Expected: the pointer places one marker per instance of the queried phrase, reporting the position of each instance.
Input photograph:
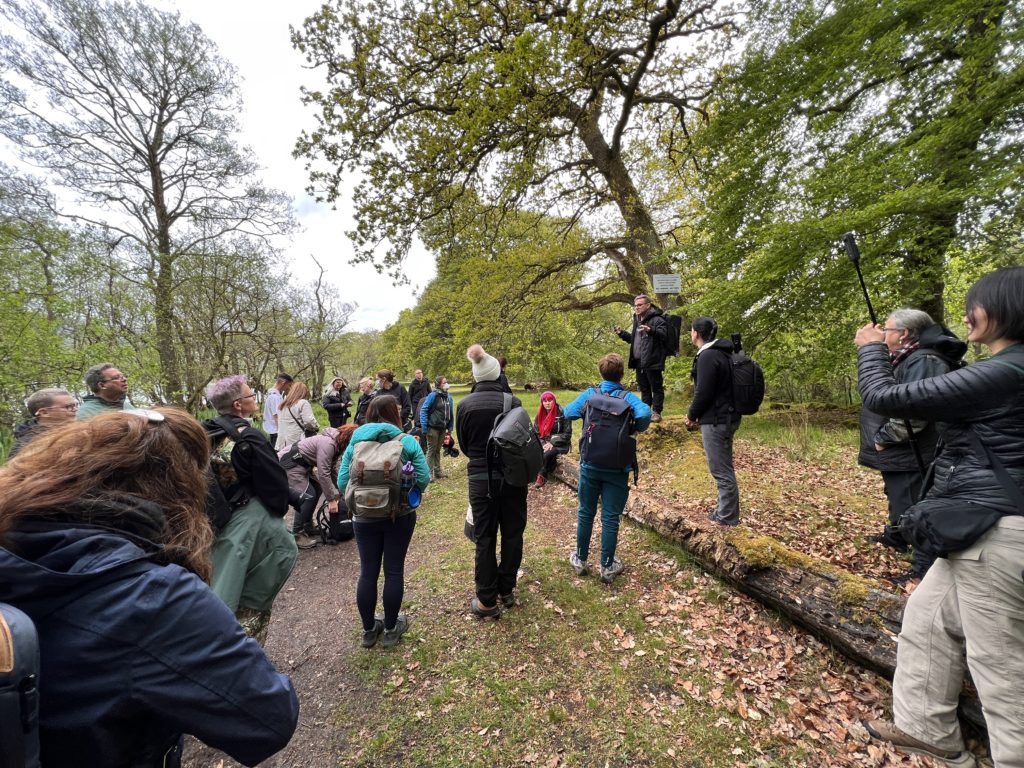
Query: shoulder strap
(298, 421)
(224, 422)
(506, 400)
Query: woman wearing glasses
(107, 550)
(970, 604)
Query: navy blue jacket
(135, 653)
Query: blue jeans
(611, 486)
(382, 542)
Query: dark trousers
(305, 506)
(382, 543)
(550, 459)
(652, 387)
(902, 490)
(504, 512)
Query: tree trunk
(848, 612)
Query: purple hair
(223, 393)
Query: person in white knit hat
(497, 507)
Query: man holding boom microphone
(647, 351)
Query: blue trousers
(611, 486)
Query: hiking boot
(885, 731)
(887, 540)
(655, 417)
(540, 481)
(609, 572)
(579, 566)
(508, 601)
(305, 541)
(393, 635)
(481, 612)
(370, 635)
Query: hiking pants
(435, 436)
(303, 520)
(718, 450)
(652, 387)
(902, 490)
(382, 542)
(611, 486)
(505, 511)
(974, 601)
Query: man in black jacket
(919, 349)
(647, 352)
(712, 408)
(496, 506)
(419, 388)
(389, 386)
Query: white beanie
(485, 367)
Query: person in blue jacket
(104, 543)
(611, 486)
(436, 418)
(383, 540)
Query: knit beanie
(485, 367)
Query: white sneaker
(579, 566)
(609, 573)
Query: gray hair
(44, 399)
(913, 321)
(223, 393)
(94, 375)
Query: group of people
(141, 584)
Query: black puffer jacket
(940, 351)
(987, 397)
(647, 350)
(561, 433)
(711, 373)
(337, 403)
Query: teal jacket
(93, 406)
(382, 432)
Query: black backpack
(747, 380)
(19, 689)
(513, 446)
(221, 499)
(673, 333)
(608, 440)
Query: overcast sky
(254, 37)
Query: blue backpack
(609, 434)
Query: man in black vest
(647, 352)
(495, 505)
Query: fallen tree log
(851, 613)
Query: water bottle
(410, 492)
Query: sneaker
(393, 635)
(540, 481)
(305, 541)
(508, 601)
(885, 731)
(608, 573)
(655, 417)
(370, 635)
(579, 566)
(484, 613)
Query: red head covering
(546, 418)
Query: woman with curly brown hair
(104, 543)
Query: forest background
(551, 157)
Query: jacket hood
(46, 560)
(722, 345)
(943, 341)
(379, 431)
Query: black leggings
(382, 542)
(305, 506)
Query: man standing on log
(647, 351)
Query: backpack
(608, 440)
(19, 689)
(436, 416)
(673, 333)
(747, 380)
(374, 479)
(224, 493)
(513, 446)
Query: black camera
(448, 446)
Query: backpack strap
(506, 406)
(1009, 486)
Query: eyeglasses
(114, 378)
(886, 330)
(72, 407)
(245, 397)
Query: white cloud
(254, 37)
